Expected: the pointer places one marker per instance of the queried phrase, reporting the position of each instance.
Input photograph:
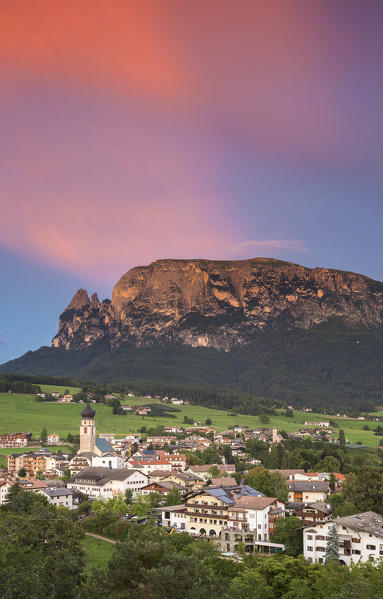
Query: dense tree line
(330, 367)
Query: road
(91, 534)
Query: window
(356, 551)
(309, 537)
(310, 549)
(355, 540)
(371, 547)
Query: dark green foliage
(289, 532)
(40, 549)
(150, 565)
(322, 367)
(271, 484)
(332, 549)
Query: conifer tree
(332, 548)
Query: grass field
(97, 553)
(22, 413)
(58, 389)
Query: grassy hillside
(20, 412)
(329, 366)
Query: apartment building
(106, 483)
(360, 538)
(15, 439)
(310, 491)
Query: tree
(332, 548)
(128, 496)
(264, 419)
(341, 437)
(208, 422)
(114, 505)
(289, 532)
(173, 497)
(41, 553)
(329, 464)
(150, 446)
(22, 473)
(364, 489)
(155, 499)
(43, 436)
(214, 471)
(271, 484)
(141, 505)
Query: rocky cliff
(219, 304)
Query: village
(210, 500)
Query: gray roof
(99, 476)
(230, 495)
(320, 486)
(57, 492)
(366, 522)
(103, 445)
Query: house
(203, 473)
(55, 395)
(307, 491)
(177, 402)
(320, 423)
(106, 483)
(147, 466)
(59, 497)
(313, 513)
(222, 481)
(231, 514)
(163, 488)
(67, 398)
(53, 439)
(15, 439)
(110, 437)
(5, 485)
(360, 538)
(108, 460)
(173, 429)
(185, 479)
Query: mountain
(267, 327)
(206, 303)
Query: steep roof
(230, 495)
(365, 522)
(254, 503)
(99, 476)
(103, 445)
(319, 486)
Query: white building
(360, 538)
(5, 485)
(307, 491)
(105, 483)
(59, 497)
(53, 438)
(108, 460)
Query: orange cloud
(119, 43)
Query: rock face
(219, 304)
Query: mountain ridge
(218, 304)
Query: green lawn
(97, 553)
(22, 413)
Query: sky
(225, 129)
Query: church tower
(87, 430)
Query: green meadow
(20, 412)
(58, 389)
(97, 553)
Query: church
(93, 451)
